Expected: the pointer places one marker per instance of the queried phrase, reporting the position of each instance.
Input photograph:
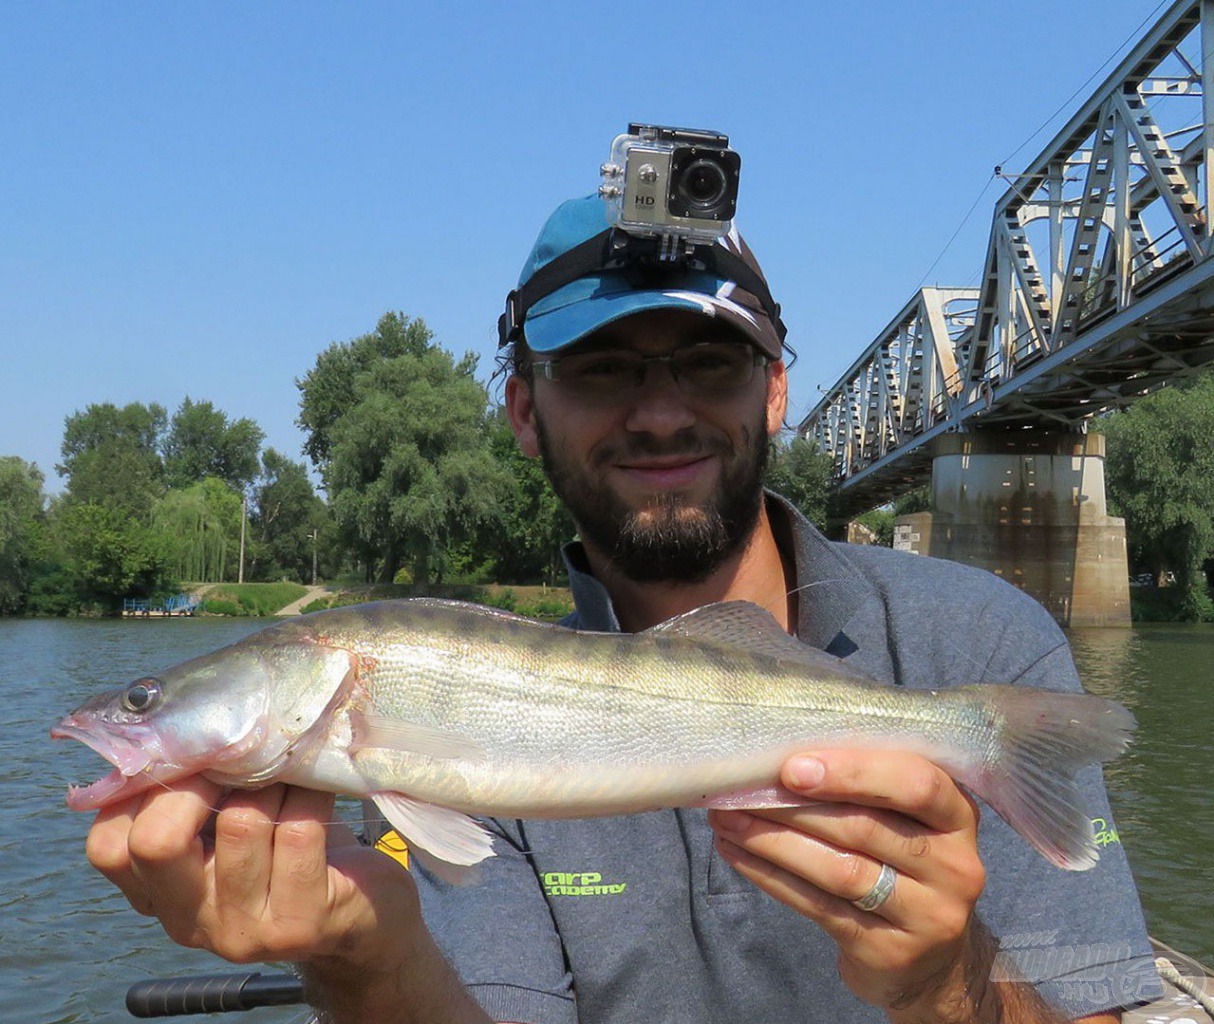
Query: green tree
(285, 513)
(111, 456)
(200, 527)
(398, 430)
(109, 556)
(330, 389)
(881, 520)
(202, 442)
(21, 523)
(526, 543)
(804, 474)
(1159, 471)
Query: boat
(1188, 996)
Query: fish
(442, 711)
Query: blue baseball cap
(575, 310)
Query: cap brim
(566, 325)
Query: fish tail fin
(1041, 740)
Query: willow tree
(201, 525)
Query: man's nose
(659, 406)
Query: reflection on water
(70, 945)
(1160, 788)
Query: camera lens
(703, 184)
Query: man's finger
(894, 780)
(300, 892)
(168, 856)
(827, 869)
(244, 845)
(835, 914)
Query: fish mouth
(133, 772)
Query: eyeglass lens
(708, 368)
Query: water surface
(70, 945)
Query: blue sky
(196, 198)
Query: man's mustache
(691, 444)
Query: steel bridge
(1097, 288)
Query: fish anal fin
(756, 798)
(447, 842)
(381, 732)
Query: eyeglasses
(705, 370)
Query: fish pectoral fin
(755, 799)
(385, 733)
(447, 842)
(741, 625)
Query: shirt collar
(831, 588)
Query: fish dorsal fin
(744, 626)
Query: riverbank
(241, 600)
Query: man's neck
(757, 573)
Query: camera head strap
(649, 263)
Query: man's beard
(670, 538)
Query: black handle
(215, 993)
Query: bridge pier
(1028, 506)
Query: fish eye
(141, 695)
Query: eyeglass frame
(549, 368)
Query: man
(651, 400)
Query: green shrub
(503, 599)
(219, 606)
(550, 609)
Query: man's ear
(777, 396)
(521, 411)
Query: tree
(329, 390)
(21, 514)
(286, 510)
(202, 442)
(1159, 471)
(398, 429)
(111, 456)
(534, 523)
(804, 474)
(109, 555)
(200, 527)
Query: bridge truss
(1097, 288)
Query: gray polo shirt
(636, 919)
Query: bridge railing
(1107, 215)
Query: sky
(198, 198)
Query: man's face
(662, 479)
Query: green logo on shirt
(1104, 831)
(580, 883)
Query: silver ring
(880, 891)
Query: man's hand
(275, 880)
(913, 955)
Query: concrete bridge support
(1028, 506)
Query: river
(70, 945)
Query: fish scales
(585, 714)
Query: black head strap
(618, 251)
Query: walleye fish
(438, 710)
